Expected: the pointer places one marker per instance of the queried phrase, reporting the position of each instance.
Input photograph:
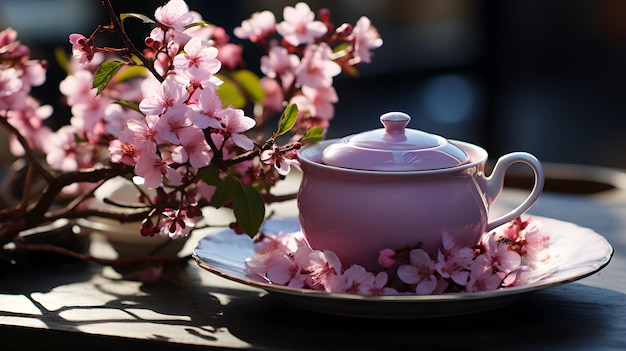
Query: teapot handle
(495, 183)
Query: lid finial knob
(395, 122)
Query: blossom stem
(249, 155)
(119, 29)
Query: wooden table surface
(75, 305)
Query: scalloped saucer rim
(578, 252)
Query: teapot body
(357, 213)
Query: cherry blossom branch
(39, 212)
(30, 155)
(62, 180)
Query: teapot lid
(394, 148)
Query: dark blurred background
(548, 77)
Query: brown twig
(121, 32)
(28, 152)
(39, 212)
(270, 198)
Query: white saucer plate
(576, 252)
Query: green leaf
(250, 83)
(341, 47)
(105, 73)
(249, 208)
(210, 175)
(225, 188)
(129, 104)
(143, 18)
(230, 94)
(131, 72)
(224, 192)
(314, 134)
(288, 120)
(198, 24)
(61, 58)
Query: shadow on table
(568, 317)
(202, 313)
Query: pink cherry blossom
(274, 96)
(25, 114)
(259, 26)
(236, 123)
(153, 169)
(420, 272)
(77, 87)
(34, 72)
(380, 288)
(116, 118)
(204, 112)
(513, 229)
(198, 59)
(317, 67)
(145, 134)
(283, 270)
(10, 82)
(170, 126)
(174, 14)
(453, 261)
(230, 55)
(535, 241)
(321, 99)
(196, 83)
(8, 41)
(176, 224)
(283, 241)
(60, 149)
(323, 268)
(366, 38)
(299, 26)
(123, 150)
(356, 280)
(90, 112)
(501, 257)
(82, 48)
(482, 277)
(280, 65)
(193, 148)
(282, 164)
(257, 264)
(163, 98)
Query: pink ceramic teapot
(394, 186)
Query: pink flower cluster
(18, 74)
(503, 259)
(300, 63)
(161, 112)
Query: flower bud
(146, 228)
(324, 15)
(387, 258)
